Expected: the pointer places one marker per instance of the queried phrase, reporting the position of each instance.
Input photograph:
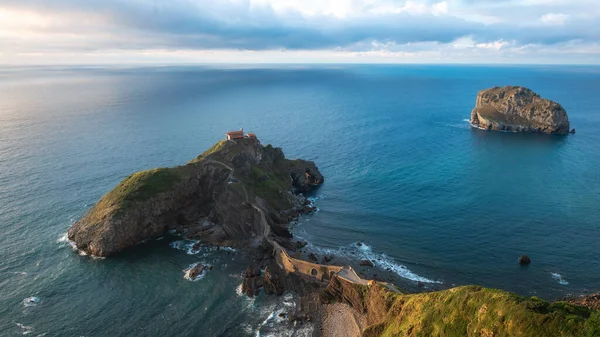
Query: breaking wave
(558, 277)
(381, 260)
(276, 323)
(31, 301)
(193, 247)
(198, 277)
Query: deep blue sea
(432, 199)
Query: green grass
(270, 186)
(477, 311)
(140, 186)
(214, 149)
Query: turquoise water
(432, 199)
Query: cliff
(518, 109)
(461, 311)
(235, 193)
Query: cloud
(555, 19)
(71, 26)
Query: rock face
(236, 193)
(193, 272)
(590, 301)
(518, 109)
(366, 263)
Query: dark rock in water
(518, 109)
(196, 246)
(252, 281)
(327, 259)
(366, 263)
(196, 270)
(308, 209)
(359, 244)
(224, 187)
(313, 257)
(301, 244)
(573, 131)
(524, 260)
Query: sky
(299, 31)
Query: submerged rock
(518, 109)
(235, 192)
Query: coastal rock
(366, 263)
(524, 260)
(235, 193)
(301, 244)
(589, 301)
(518, 109)
(274, 281)
(195, 271)
(252, 281)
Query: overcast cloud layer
(482, 31)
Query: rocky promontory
(236, 193)
(241, 193)
(518, 109)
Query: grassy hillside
(139, 186)
(476, 311)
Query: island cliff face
(518, 109)
(236, 192)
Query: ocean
(430, 199)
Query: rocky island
(236, 193)
(518, 109)
(243, 194)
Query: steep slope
(518, 109)
(462, 311)
(235, 192)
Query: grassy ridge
(139, 186)
(477, 311)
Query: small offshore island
(518, 109)
(242, 194)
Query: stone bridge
(320, 272)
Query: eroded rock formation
(235, 193)
(518, 109)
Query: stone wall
(311, 270)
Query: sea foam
(31, 301)
(558, 277)
(198, 277)
(381, 260)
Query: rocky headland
(235, 194)
(243, 194)
(518, 109)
